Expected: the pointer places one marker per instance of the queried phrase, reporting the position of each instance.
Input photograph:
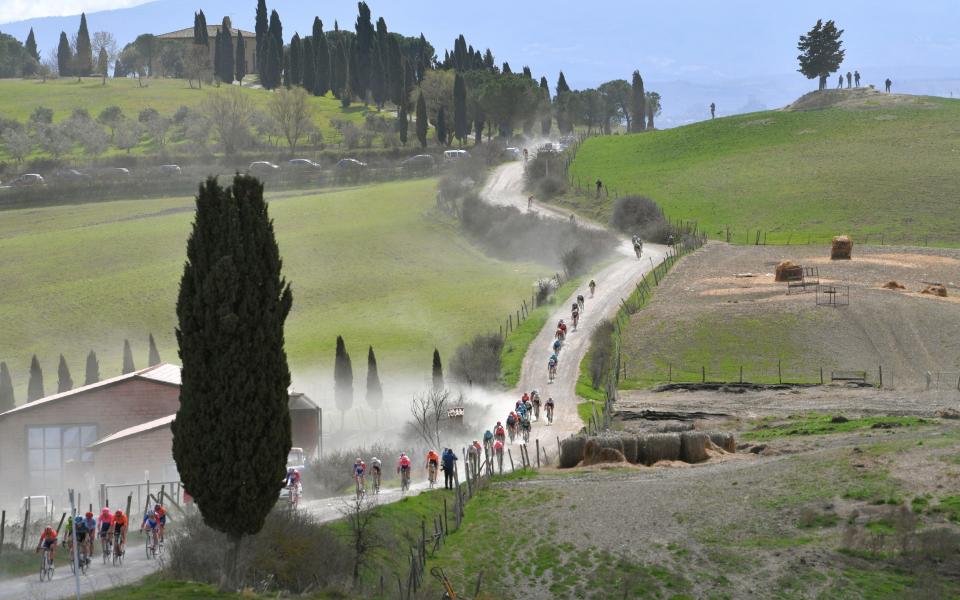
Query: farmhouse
(114, 432)
(183, 40)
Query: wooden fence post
(26, 522)
(510, 456)
(538, 453)
(3, 527)
(881, 374)
(780, 371)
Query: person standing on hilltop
(888, 84)
(713, 110)
(840, 83)
(856, 78)
(849, 80)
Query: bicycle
(46, 566)
(361, 487)
(526, 435)
(81, 559)
(376, 482)
(107, 546)
(118, 549)
(432, 475)
(151, 543)
(404, 479)
(550, 415)
(293, 495)
(552, 372)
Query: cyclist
(403, 469)
(536, 406)
(359, 469)
(580, 301)
(499, 433)
(487, 438)
(78, 528)
(90, 524)
(48, 540)
(525, 427)
(376, 469)
(106, 521)
(293, 484)
(525, 397)
(473, 454)
(557, 344)
(521, 411)
(161, 518)
(549, 407)
(552, 367)
(593, 287)
(498, 452)
(563, 327)
(119, 531)
(433, 463)
(528, 409)
(151, 523)
(575, 314)
(529, 203)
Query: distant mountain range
(689, 56)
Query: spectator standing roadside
(849, 80)
(840, 83)
(449, 460)
(856, 78)
(888, 84)
(600, 184)
(713, 110)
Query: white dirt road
(614, 282)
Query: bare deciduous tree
(229, 111)
(429, 411)
(105, 49)
(360, 515)
(293, 114)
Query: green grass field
(19, 97)
(887, 166)
(376, 264)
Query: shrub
(333, 473)
(478, 361)
(601, 353)
(641, 216)
(551, 186)
(292, 552)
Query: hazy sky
(16, 10)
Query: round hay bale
(723, 440)
(629, 447)
(841, 248)
(655, 447)
(571, 451)
(674, 426)
(935, 290)
(597, 454)
(693, 446)
(787, 271)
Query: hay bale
(571, 451)
(841, 248)
(893, 285)
(787, 271)
(603, 449)
(935, 290)
(655, 447)
(724, 440)
(693, 446)
(674, 426)
(629, 448)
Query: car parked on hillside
(262, 167)
(419, 163)
(171, 170)
(303, 164)
(70, 176)
(114, 173)
(348, 164)
(28, 180)
(454, 155)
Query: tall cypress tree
(260, 28)
(506, 69)
(153, 355)
(561, 99)
(240, 63)
(374, 389)
(84, 58)
(546, 121)
(273, 53)
(309, 66)
(286, 69)
(527, 73)
(218, 55)
(342, 379)
(231, 312)
(422, 122)
(296, 60)
(363, 51)
(442, 126)
(461, 129)
(395, 70)
(402, 123)
(64, 381)
(128, 366)
(437, 371)
(321, 53)
(638, 106)
(92, 374)
(226, 51)
(31, 46)
(35, 385)
(201, 36)
(488, 61)
(7, 400)
(64, 56)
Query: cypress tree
(269, 65)
(506, 69)
(230, 313)
(286, 69)
(227, 61)
(64, 56)
(402, 123)
(200, 35)
(7, 400)
(322, 59)
(461, 129)
(309, 66)
(527, 72)
(84, 58)
(35, 385)
(422, 121)
(442, 126)
(276, 28)
(153, 356)
(355, 83)
(488, 61)
(562, 84)
(437, 371)
(103, 63)
(380, 65)
(546, 121)
(260, 28)
(638, 108)
(240, 63)
(342, 379)
(218, 55)
(396, 73)
(296, 60)
(564, 123)
(363, 51)
(128, 366)
(31, 46)
(64, 381)
(374, 389)
(93, 369)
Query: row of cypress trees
(70, 62)
(35, 385)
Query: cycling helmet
(157, 506)
(78, 520)
(498, 422)
(402, 454)
(105, 511)
(119, 513)
(359, 460)
(89, 515)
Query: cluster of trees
(36, 388)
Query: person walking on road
(449, 460)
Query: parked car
(28, 180)
(115, 173)
(453, 155)
(172, 170)
(303, 164)
(262, 167)
(71, 176)
(351, 163)
(513, 153)
(419, 163)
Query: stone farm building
(114, 432)
(184, 39)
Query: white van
(452, 155)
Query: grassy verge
(14, 563)
(818, 424)
(518, 341)
(376, 264)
